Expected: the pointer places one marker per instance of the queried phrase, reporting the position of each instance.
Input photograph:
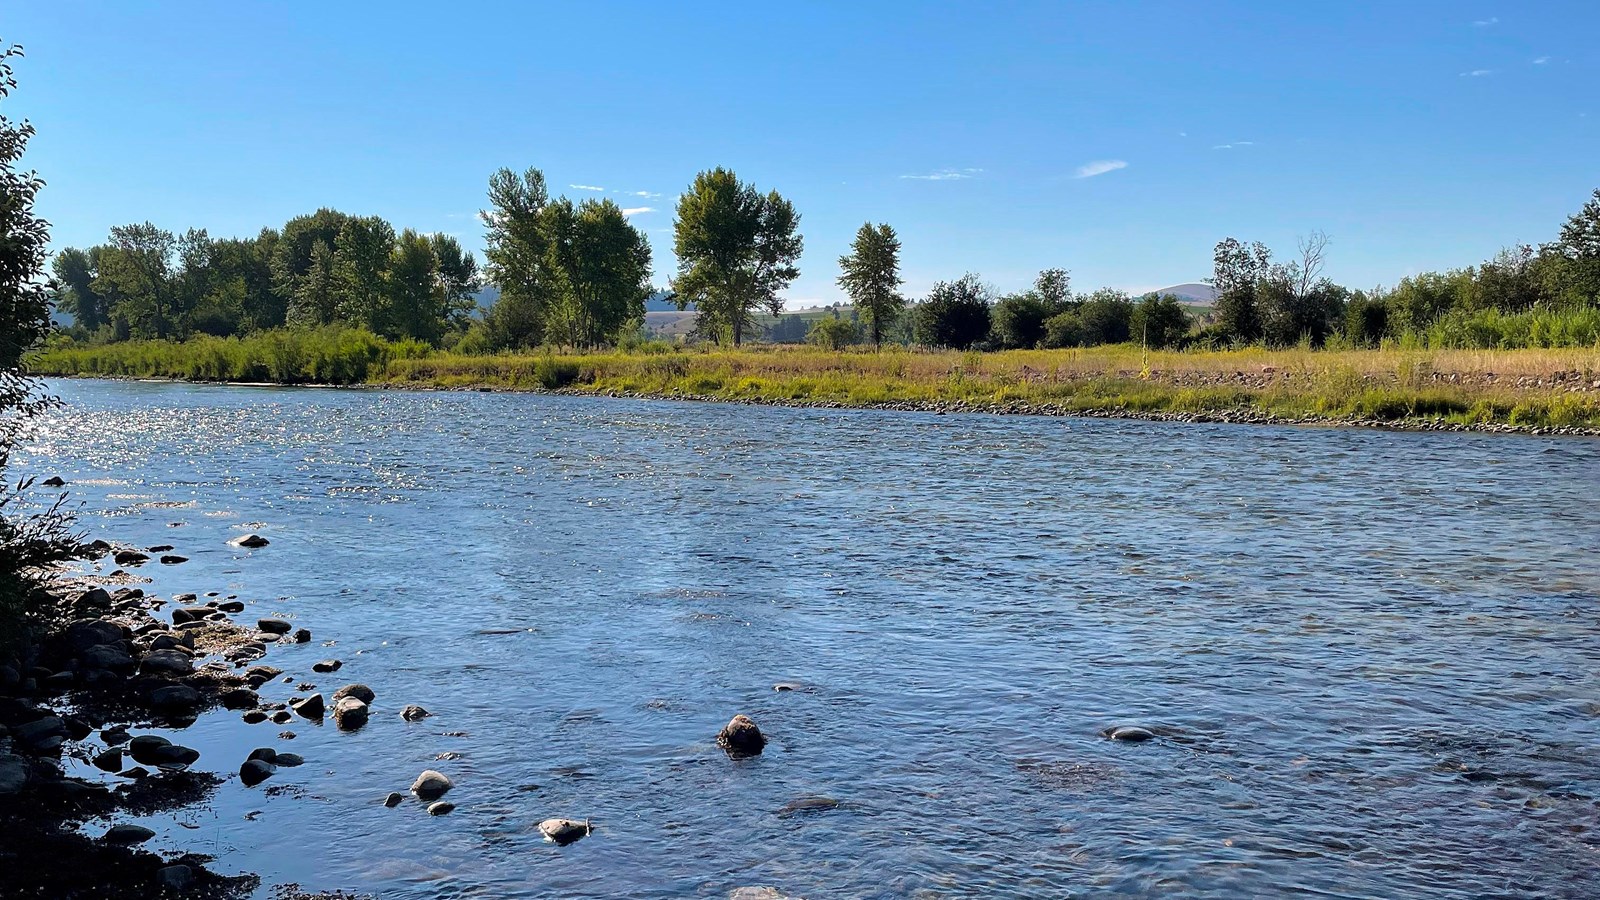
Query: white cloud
(1484, 23)
(586, 187)
(648, 195)
(945, 175)
(1244, 143)
(638, 210)
(1541, 60)
(1183, 134)
(1100, 167)
(1476, 73)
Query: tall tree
(315, 291)
(871, 278)
(137, 268)
(75, 273)
(415, 307)
(458, 280)
(599, 271)
(515, 251)
(737, 249)
(1237, 269)
(362, 252)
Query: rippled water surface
(1371, 656)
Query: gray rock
(175, 698)
(184, 615)
(283, 717)
(289, 760)
(394, 799)
(250, 541)
(172, 560)
(274, 626)
(240, 698)
(431, 785)
(80, 636)
(327, 665)
(440, 808)
(311, 707)
(255, 716)
(359, 691)
(414, 713)
(128, 834)
(46, 732)
(350, 713)
(231, 606)
(565, 831)
(254, 771)
(175, 878)
(109, 657)
(14, 774)
(142, 746)
(265, 754)
(109, 760)
(172, 662)
(740, 737)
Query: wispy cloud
(945, 175)
(1183, 134)
(1100, 167)
(1485, 23)
(586, 187)
(1234, 144)
(1541, 60)
(648, 195)
(638, 210)
(1476, 73)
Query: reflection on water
(1370, 657)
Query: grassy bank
(1553, 388)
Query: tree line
(578, 273)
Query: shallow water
(1372, 656)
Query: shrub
(956, 314)
(831, 333)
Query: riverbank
(1546, 391)
(86, 710)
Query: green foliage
(1019, 320)
(1105, 317)
(1159, 322)
(737, 249)
(834, 333)
(955, 315)
(871, 277)
(331, 355)
(599, 268)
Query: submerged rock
(274, 626)
(740, 737)
(109, 760)
(231, 606)
(265, 754)
(240, 698)
(130, 558)
(302, 636)
(172, 560)
(1132, 733)
(394, 799)
(326, 666)
(431, 785)
(414, 713)
(289, 760)
(250, 541)
(53, 481)
(440, 808)
(565, 831)
(175, 878)
(255, 716)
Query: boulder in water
(350, 713)
(309, 707)
(414, 713)
(326, 666)
(250, 541)
(1131, 733)
(440, 808)
(359, 691)
(274, 626)
(565, 831)
(431, 785)
(394, 799)
(128, 834)
(740, 737)
(254, 771)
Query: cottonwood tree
(137, 268)
(359, 272)
(1237, 269)
(956, 314)
(871, 278)
(516, 254)
(599, 268)
(737, 249)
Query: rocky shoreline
(84, 694)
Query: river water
(1371, 656)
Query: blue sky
(1418, 135)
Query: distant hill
(1191, 292)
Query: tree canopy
(737, 249)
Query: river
(1373, 658)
